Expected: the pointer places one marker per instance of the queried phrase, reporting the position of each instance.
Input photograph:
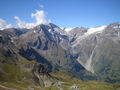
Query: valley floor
(63, 82)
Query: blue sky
(64, 13)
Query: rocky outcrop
(42, 75)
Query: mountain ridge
(73, 51)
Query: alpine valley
(48, 57)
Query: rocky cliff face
(41, 75)
(80, 52)
(99, 52)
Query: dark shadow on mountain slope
(31, 54)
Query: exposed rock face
(41, 75)
(75, 51)
(45, 47)
(41, 69)
(99, 52)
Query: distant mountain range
(85, 53)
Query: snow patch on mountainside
(68, 29)
(94, 30)
(34, 31)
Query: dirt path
(4, 87)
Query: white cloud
(4, 25)
(22, 24)
(17, 18)
(41, 6)
(39, 16)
